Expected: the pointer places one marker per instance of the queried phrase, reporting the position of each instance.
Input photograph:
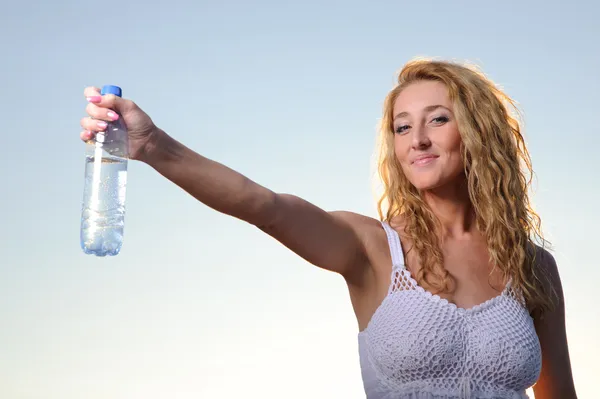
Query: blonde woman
(454, 294)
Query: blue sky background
(289, 93)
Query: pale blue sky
(289, 93)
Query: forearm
(210, 182)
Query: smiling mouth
(425, 160)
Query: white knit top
(420, 346)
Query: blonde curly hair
(498, 171)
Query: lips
(424, 159)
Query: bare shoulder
(371, 234)
(545, 261)
(547, 268)
(547, 272)
(361, 224)
(366, 228)
(353, 217)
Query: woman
(452, 295)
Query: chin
(436, 182)
(427, 187)
(423, 183)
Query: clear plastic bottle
(103, 210)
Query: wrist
(161, 148)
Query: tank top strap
(395, 246)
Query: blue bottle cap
(109, 89)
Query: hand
(101, 109)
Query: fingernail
(94, 99)
(113, 116)
(102, 124)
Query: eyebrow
(429, 108)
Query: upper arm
(556, 379)
(330, 240)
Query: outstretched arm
(330, 240)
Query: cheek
(401, 148)
(451, 141)
(401, 151)
(453, 149)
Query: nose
(420, 138)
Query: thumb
(111, 101)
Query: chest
(415, 336)
(473, 278)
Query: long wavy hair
(498, 171)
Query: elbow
(260, 209)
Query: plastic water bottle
(103, 211)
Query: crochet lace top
(418, 345)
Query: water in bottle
(103, 210)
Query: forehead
(416, 96)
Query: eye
(402, 129)
(440, 120)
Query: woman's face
(427, 142)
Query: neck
(452, 206)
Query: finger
(86, 135)
(93, 125)
(91, 91)
(111, 103)
(97, 111)
(94, 95)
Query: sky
(199, 304)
